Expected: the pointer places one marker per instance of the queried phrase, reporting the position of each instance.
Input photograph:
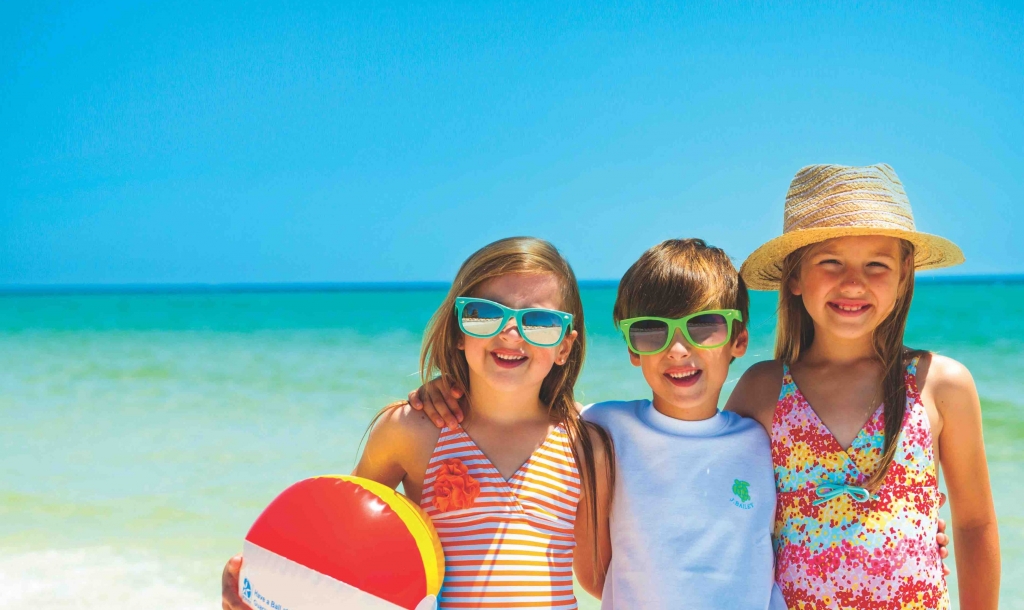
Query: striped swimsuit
(512, 546)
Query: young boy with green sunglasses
(694, 501)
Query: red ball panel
(339, 529)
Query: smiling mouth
(849, 309)
(508, 361)
(684, 379)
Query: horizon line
(412, 286)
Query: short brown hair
(679, 277)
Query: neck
(705, 410)
(839, 350)
(503, 407)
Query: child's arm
(398, 450)
(757, 393)
(951, 388)
(588, 533)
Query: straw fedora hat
(827, 201)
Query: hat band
(852, 219)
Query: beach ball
(341, 542)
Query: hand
(942, 539)
(229, 599)
(438, 402)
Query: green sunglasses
(482, 318)
(709, 329)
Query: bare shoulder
(757, 391)
(400, 423)
(946, 381)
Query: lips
(849, 308)
(508, 359)
(683, 378)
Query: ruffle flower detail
(454, 489)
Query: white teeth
(510, 357)
(851, 307)
(684, 375)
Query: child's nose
(511, 329)
(679, 346)
(853, 279)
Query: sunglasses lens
(708, 329)
(480, 319)
(542, 327)
(648, 335)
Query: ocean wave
(88, 578)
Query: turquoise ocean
(143, 433)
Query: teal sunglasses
(482, 319)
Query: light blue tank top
(692, 511)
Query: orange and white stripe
(513, 547)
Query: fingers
(439, 404)
(426, 404)
(451, 400)
(943, 540)
(437, 399)
(229, 599)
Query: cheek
(473, 347)
(816, 288)
(651, 366)
(886, 290)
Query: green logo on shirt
(741, 489)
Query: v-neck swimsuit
(837, 547)
(513, 546)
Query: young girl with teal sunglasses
(508, 490)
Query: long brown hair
(441, 357)
(796, 333)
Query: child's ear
(634, 359)
(794, 286)
(565, 348)
(740, 344)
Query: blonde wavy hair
(441, 357)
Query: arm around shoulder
(757, 393)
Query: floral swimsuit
(836, 545)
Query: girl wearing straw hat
(859, 423)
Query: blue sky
(350, 142)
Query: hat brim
(763, 268)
